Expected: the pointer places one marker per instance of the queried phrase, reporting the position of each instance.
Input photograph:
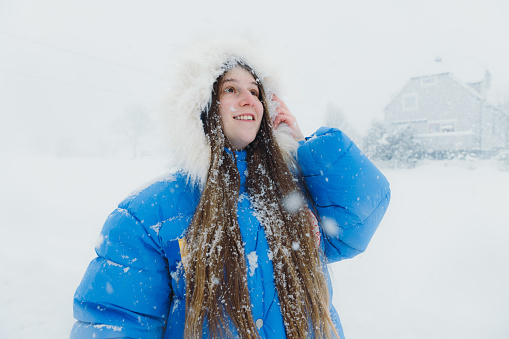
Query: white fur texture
(191, 93)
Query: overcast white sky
(67, 69)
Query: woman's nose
(246, 99)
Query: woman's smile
(244, 117)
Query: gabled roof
(467, 71)
(464, 72)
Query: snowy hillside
(437, 267)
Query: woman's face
(241, 110)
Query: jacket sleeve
(126, 290)
(350, 194)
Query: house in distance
(449, 110)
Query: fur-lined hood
(191, 93)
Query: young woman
(235, 244)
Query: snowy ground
(437, 268)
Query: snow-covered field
(437, 268)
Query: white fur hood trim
(191, 93)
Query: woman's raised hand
(283, 115)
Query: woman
(230, 245)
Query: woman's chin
(241, 143)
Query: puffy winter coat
(135, 288)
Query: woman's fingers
(284, 116)
(281, 102)
(277, 121)
(287, 119)
(282, 108)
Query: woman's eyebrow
(235, 80)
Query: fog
(75, 76)
(69, 70)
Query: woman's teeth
(244, 117)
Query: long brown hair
(216, 288)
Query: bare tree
(132, 126)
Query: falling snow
(293, 202)
(420, 257)
(330, 227)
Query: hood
(191, 92)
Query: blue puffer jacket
(135, 288)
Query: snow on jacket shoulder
(135, 288)
(350, 193)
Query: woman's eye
(254, 92)
(229, 90)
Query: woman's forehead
(238, 72)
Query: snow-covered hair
(191, 92)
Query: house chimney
(487, 79)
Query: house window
(410, 102)
(428, 81)
(447, 127)
(434, 127)
(443, 126)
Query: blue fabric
(135, 288)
